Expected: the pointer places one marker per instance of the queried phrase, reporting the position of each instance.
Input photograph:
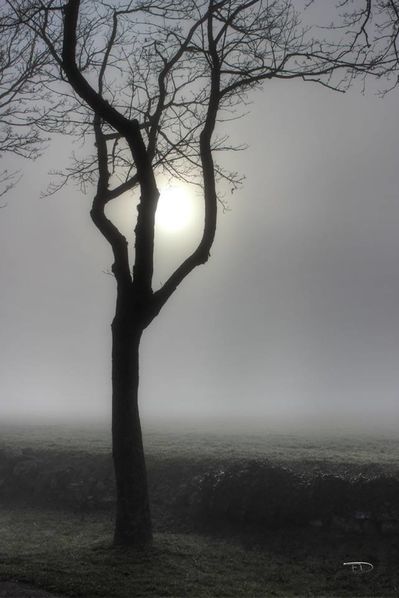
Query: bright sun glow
(175, 209)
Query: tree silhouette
(22, 75)
(378, 30)
(154, 82)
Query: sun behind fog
(175, 210)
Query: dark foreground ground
(65, 548)
(12, 589)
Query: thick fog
(295, 318)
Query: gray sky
(294, 319)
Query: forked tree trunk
(133, 520)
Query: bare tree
(153, 81)
(377, 23)
(22, 65)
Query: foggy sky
(295, 318)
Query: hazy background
(294, 320)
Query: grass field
(166, 440)
(70, 553)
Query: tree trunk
(133, 520)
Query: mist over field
(95, 432)
(293, 321)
